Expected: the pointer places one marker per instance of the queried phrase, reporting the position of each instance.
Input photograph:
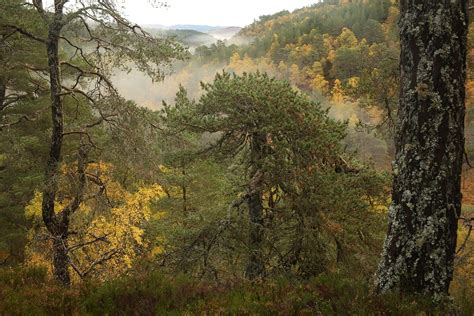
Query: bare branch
(105, 257)
(24, 32)
(78, 49)
(21, 119)
(77, 91)
(466, 157)
(75, 268)
(468, 222)
(82, 72)
(97, 239)
(81, 133)
(11, 99)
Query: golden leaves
(116, 227)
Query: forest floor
(27, 292)
(146, 291)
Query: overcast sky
(207, 12)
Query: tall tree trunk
(419, 250)
(61, 261)
(184, 191)
(57, 225)
(3, 91)
(256, 267)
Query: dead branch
(97, 239)
(466, 158)
(24, 32)
(105, 257)
(21, 119)
(81, 133)
(83, 72)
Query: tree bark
(256, 267)
(184, 191)
(57, 225)
(3, 91)
(61, 261)
(419, 250)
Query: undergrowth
(29, 292)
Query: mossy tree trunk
(420, 246)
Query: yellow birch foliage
(337, 92)
(319, 84)
(116, 225)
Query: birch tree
(84, 42)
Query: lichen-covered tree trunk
(420, 245)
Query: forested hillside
(187, 37)
(247, 176)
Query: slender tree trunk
(419, 250)
(256, 267)
(57, 225)
(3, 81)
(3, 91)
(184, 190)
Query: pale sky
(207, 12)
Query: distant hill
(195, 35)
(190, 38)
(193, 27)
(199, 28)
(225, 33)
